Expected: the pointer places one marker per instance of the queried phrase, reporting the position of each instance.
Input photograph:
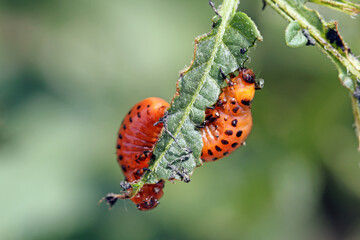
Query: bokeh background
(70, 70)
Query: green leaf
(329, 40)
(294, 36)
(199, 86)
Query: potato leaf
(178, 150)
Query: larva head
(244, 86)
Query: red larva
(136, 138)
(227, 125)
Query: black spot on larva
(218, 148)
(142, 157)
(243, 50)
(120, 136)
(129, 112)
(225, 153)
(147, 204)
(148, 106)
(202, 153)
(229, 132)
(215, 158)
(138, 107)
(120, 157)
(234, 122)
(118, 146)
(210, 152)
(238, 134)
(123, 168)
(130, 119)
(225, 142)
(219, 103)
(138, 114)
(246, 102)
(124, 126)
(233, 101)
(138, 173)
(235, 109)
(234, 145)
(225, 119)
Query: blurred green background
(70, 70)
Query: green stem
(291, 13)
(347, 64)
(344, 6)
(356, 112)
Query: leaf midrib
(218, 40)
(226, 16)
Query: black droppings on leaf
(333, 36)
(311, 41)
(356, 93)
(264, 5)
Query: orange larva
(229, 122)
(136, 138)
(226, 127)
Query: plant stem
(356, 112)
(348, 65)
(344, 6)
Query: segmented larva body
(226, 127)
(136, 139)
(229, 123)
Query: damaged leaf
(178, 150)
